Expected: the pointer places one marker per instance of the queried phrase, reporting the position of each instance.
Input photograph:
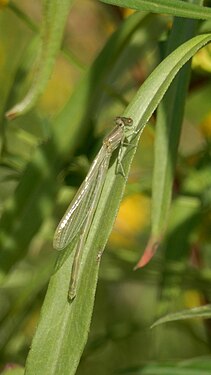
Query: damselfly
(79, 215)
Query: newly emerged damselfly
(79, 215)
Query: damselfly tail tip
(71, 296)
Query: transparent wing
(78, 209)
(86, 227)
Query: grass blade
(174, 7)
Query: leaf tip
(11, 114)
(149, 252)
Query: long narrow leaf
(203, 312)
(54, 19)
(174, 7)
(168, 131)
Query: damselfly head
(123, 121)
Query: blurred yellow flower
(127, 12)
(58, 88)
(202, 59)
(205, 126)
(132, 218)
(3, 3)
(192, 298)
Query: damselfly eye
(118, 120)
(123, 121)
(128, 121)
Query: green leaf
(63, 328)
(185, 215)
(54, 18)
(168, 132)
(13, 314)
(203, 312)
(190, 367)
(9, 43)
(174, 7)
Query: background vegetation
(107, 53)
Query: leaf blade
(174, 7)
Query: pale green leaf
(54, 18)
(174, 7)
(203, 312)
